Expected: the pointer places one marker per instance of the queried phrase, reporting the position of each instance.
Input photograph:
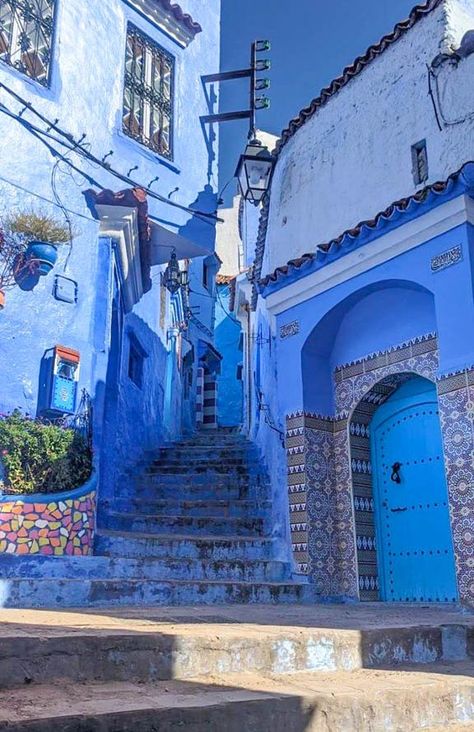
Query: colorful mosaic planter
(52, 525)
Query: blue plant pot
(44, 253)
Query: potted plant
(42, 234)
(13, 263)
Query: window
(419, 155)
(136, 359)
(205, 275)
(26, 36)
(148, 93)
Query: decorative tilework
(329, 479)
(297, 490)
(456, 407)
(54, 527)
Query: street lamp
(254, 171)
(173, 277)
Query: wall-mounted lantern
(254, 171)
(173, 277)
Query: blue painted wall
(228, 343)
(381, 307)
(86, 96)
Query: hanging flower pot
(44, 253)
(2, 299)
(42, 235)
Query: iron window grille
(148, 93)
(26, 36)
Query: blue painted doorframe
(414, 538)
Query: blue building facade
(362, 283)
(110, 142)
(229, 343)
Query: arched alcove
(372, 319)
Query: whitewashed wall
(353, 157)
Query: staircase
(190, 527)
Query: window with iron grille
(26, 36)
(148, 93)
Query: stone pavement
(329, 668)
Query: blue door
(415, 548)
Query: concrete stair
(259, 669)
(191, 525)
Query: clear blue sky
(312, 41)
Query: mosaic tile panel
(456, 407)
(329, 470)
(361, 468)
(295, 452)
(331, 534)
(55, 528)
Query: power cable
(43, 198)
(77, 146)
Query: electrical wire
(77, 146)
(43, 198)
(437, 104)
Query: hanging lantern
(173, 277)
(254, 171)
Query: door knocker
(396, 473)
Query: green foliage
(40, 227)
(39, 457)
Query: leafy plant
(40, 227)
(12, 260)
(40, 457)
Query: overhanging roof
(163, 241)
(398, 213)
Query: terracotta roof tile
(466, 174)
(418, 12)
(180, 16)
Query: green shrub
(39, 226)
(40, 457)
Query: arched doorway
(403, 531)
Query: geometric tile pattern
(297, 490)
(54, 528)
(330, 492)
(456, 407)
(361, 468)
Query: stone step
(101, 567)
(176, 507)
(362, 701)
(186, 450)
(206, 465)
(206, 525)
(214, 548)
(200, 488)
(157, 643)
(75, 593)
(206, 468)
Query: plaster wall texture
(228, 241)
(267, 426)
(85, 94)
(353, 320)
(353, 158)
(227, 339)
